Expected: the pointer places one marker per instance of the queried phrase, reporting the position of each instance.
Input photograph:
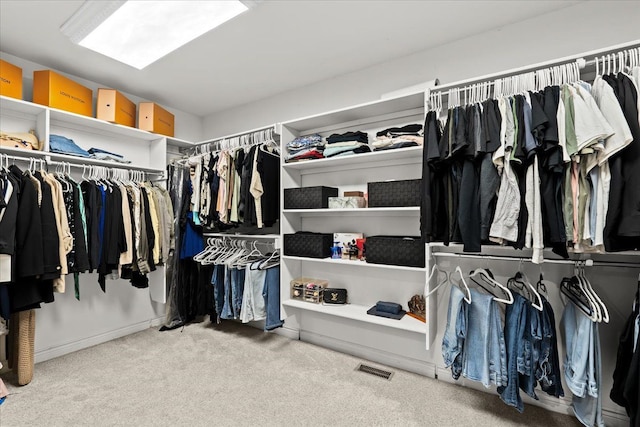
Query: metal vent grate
(374, 371)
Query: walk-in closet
(319, 213)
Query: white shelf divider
(349, 262)
(359, 313)
(408, 155)
(391, 211)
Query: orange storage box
(56, 91)
(10, 80)
(114, 107)
(156, 119)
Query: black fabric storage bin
(308, 197)
(394, 193)
(308, 244)
(394, 250)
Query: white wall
(187, 126)
(572, 30)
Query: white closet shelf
(243, 236)
(359, 313)
(97, 162)
(411, 154)
(391, 211)
(8, 104)
(177, 142)
(352, 263)
(78, 121)
(360, 112)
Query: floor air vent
(374, 371)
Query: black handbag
(334, 296)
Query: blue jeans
(515, 322)
(484, 356)
(548, 371)
(532, 346)
(227, 312)
(61, 144)
(271, 294)
(577, 329)
(588, 409)
(252, 300)
(237, 289)
(455, 332)
(217, 280)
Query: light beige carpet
(235, 375)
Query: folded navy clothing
(94, 150)
(394, 146)
(348, 136)
(387, 309)
(404, 130)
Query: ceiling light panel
(139, 33)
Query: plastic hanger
(597, 314)
(537, 300)
(484, 276)
(570, 288)
(434, 271)
(467, 297)
(603, 312)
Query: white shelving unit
(349, 328)
(122, 309)
(359, 313)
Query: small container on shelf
(308, 197)
(347, 202)
(308, 244)
(308, 289)
(394, 193)
(395, 250)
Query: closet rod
(592, 55)
(236, 135)
(77, 165)
(588, 262)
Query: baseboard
(562, 405)
(52, 353)
(389, 359)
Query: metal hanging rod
(587, 59)
(82, 165)
(247, 138)
(586, 262)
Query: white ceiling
(276, 47)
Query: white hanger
(604, 312)
(467, 297)
(434, 270)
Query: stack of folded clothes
(392, 138)
(346, 144)
(305, 148)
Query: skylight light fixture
(139, 33)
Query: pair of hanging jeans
(217, 280)
(582, 369)
(532, 342)
(515, 323)
(455, 332)
(271, 294)
(484, 353)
